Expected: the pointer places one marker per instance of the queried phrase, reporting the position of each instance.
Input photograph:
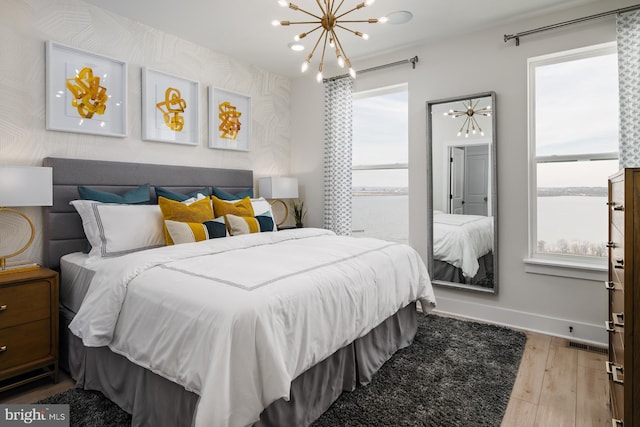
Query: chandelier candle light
(331, 18)
(470, 122)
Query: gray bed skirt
(155, 401)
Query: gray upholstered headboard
(63, 231)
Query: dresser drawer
(617, 345)
(616, 204)
(24, 303)
(25, 343)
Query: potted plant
(299, 212)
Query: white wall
(25, 25)
(471, 64)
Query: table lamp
(22, 186)
(277, 188)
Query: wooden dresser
(28, 327)
(623, 287)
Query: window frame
(567, 265)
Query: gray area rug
(456, 373)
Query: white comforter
(461, 239)
(235, 320)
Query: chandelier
(470, 113)
(330, 19)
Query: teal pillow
(224, 195)
(179, 197)
(136, 196)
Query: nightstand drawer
(25, 343)
(24, 303)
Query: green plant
(299, 212)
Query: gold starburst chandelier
(470, 113)
(330, 19)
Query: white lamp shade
(278, 187)
(26, 186)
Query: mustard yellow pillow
(240, 208)
(199, 211)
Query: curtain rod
(412, 61)
(517, 36)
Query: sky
(577, 113)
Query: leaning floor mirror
(463, 203)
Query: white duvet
(236, 319)
(461, 239)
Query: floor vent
(587, 347)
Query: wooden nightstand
(28, 327)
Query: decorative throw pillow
(245, 225)
(179, 197)
(189, 232)
(240, 208)
(225, 195)
(198, 212)
(136, 196)
(114, 229)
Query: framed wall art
(169, 108)
(85, 92)
(229, 120)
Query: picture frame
(85, 92)
(170, 108)
(229, 120)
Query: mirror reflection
(462, 214)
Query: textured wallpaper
(25, 26)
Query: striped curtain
(628, 36)
(337, 155)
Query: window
(380, 202)
(573, 138)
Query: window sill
(573, 270)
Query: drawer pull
(610, 203)
(3, 307)
(618, 207)
(608, 326)
(612, 369)
(620, 261)
(620, 319)
(616, 423)
(3, 348)
(609, 285)
(610, 244)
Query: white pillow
(114, 229)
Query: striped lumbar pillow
(245, 224)
(189, 232)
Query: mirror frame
(494, 189)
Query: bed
(463, 248)
(224, 332)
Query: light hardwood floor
(556, 386)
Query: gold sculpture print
(88, 96)
(172, 108)
(229, 121)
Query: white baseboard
(586, 333)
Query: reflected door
(476, 180)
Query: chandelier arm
(334, 11)
(475, 105)
(324, 49)
(463, 125)
(335, 37)
(309, 32)
(360, 6)
(302, 22)
(317, 43)
(309, 13)
(368, 21)
(346, 29)
(322, 8)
